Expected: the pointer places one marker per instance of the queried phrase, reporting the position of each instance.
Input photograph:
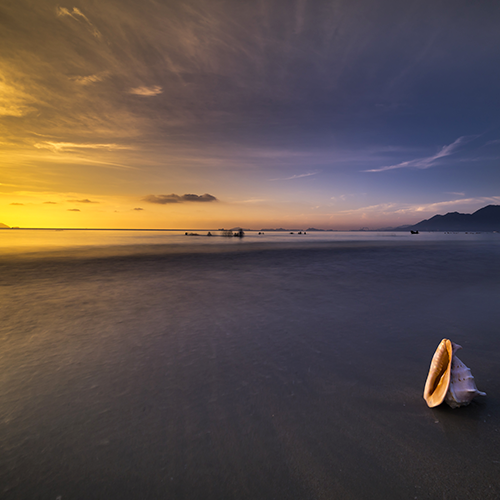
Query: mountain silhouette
(485, 219)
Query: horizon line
(180, 229)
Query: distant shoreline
(188, 229)
(305, 231)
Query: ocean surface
(154, 365)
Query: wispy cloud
(253, 200)
(426, 208)
(73, 210)
(147, 91)
(342, 197)
(164, 199)
(71, 159)
(71, 146)
(13, 101)
(78, 15)
(10, 185)
(89, 79)
(427, 162)
(380, 208)
(138, 208)
(299, 176)
(17, 203)
(444, 205)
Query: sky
(257, 113)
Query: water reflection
(109, 242)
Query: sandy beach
(267, 372)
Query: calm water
(117, 241)
(155, 365)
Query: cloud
(49, 203)
(294, 177)
(71, 146)
(86, 200)
(146, 91)
(254, 200)
(163, 199)
(75, 159)
(427, 162)
(342, 197)
(195, 197)
(87, 80)
(77, 15)
(13, 101)
(138, 208)
(430, 208)
(17, 203)
(73, 210)
(381, 208)
(443, 205)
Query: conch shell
(449, 379)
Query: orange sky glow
(335, 115)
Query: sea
(160, 365)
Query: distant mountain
(485, 219)
(4, 225)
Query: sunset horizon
(491, 226)
(183, 114)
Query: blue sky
(338, 114)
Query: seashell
(449, 379)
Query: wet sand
(259, 373)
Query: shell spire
(449, 379)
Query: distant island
(484, 219)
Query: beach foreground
(266, 372)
